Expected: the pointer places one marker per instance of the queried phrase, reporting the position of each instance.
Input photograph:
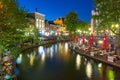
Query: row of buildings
(45, 27)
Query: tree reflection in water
(58, 62)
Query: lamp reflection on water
(19, 59)
(89, 70)
(51, 52)
(78, 61)
(66, 47)
(100, 68)
(32, 57)
(100, 65)
(43, 57)
(110, 75)
(55, 48)
(41, 53)
(40, 50)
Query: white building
(37, 19)
(93, 22)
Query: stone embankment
(99, 55)
(32, 45)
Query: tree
(83, 26)
(13, 21)
(108, 15)
(71, 21)
(31, 33)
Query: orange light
(1, 6)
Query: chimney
(36, 9)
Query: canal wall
(33, 45)
(100, 58)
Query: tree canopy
(108, 14)
(71, 21)
(13, 21)
(83, 26)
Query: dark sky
(53, 9)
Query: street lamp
(116, 25)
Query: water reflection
(63, 51)
(40, 50)
(55, 46)
(100, 68)
(110, 75)
(19, 59)
(100, 65)
(43, 57)
(32, 57)
(42, 54)
(57, 61)
(66, 48)
(51, 52)
(78, 61)
(89, 69)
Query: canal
(58, 62)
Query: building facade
(94, 22)
(37, 19)
(59, 21)
(51, 28)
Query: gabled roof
(32, 15)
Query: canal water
(58, 62)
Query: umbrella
(91, 40)
(105, 42)
(83, 39)
(73, 38)
(76, 38)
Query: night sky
(52, 9)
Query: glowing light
(112, 26)
(56, 47)
(110, 75)
(89, 29)
(43, 57)
(78, 62)
(56, 33)
(42, 53)
(51, 52)
(100, 65)
(89, 69)
(100, 41)
(78, 30)
(32, 57)
(40, 50)
(19, 59)
(100, 68)
(66, 47)
(116, 25)
(107, 30)
(47, 33)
